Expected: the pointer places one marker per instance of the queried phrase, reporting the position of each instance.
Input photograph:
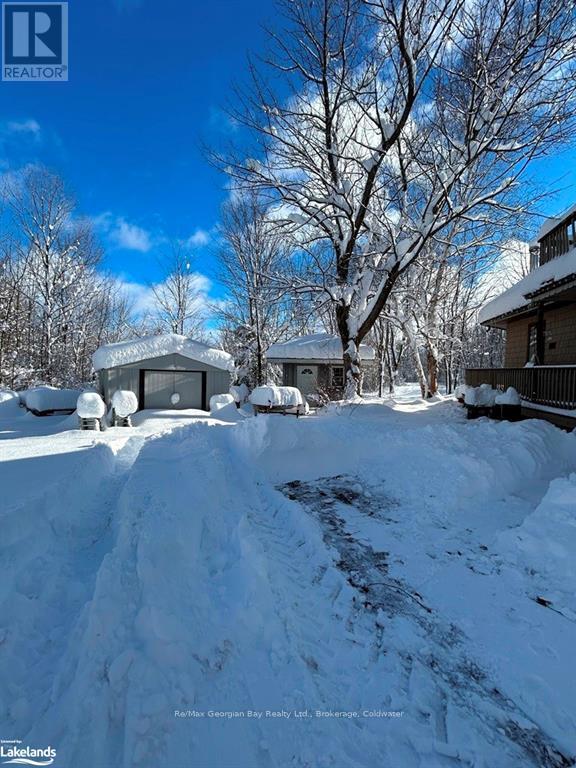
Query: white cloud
(23, 126)
(199, 238)
(123, 234)
(16, 139)
(130, 236)
(142, 297)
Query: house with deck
(538, 314)
(313, 364)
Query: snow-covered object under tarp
(460, 391)
(90, 406)
(510, 397)
(272, 396)
(124, 402)
(126, 352)
(46, 399)
(483, 396)
(240, 393)
(541, 277)
(318, 346)
(219, 401)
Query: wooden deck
(547, 392)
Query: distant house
(539, 316)
(165, 371)
(314, 363)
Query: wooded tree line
(381, 165)
(389, 141)
(56, 306)
(57, 303)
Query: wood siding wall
(559, 338)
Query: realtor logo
(35, 42)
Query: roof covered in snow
(551, 223)
(318, 346)
(126, 352)
(519, 295)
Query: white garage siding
(213, 381)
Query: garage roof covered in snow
(126, 352)
(318, 346)
(554, 273)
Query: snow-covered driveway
(372, 586)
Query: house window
(338, 377)
(532, 356)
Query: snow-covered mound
(510, 397)
(125, 352)
(219, 401)
(44, 399)
(318, 346)
(124, 402)
(90, 406)
(545, 543)
(483, 396)
(270, 395)
(9, 401)
(460, 391)
(240, 393)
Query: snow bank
(42, 399)
(545, 543)
(246, 605)
(219, 401)
(124, 402)
(318, 346)
(125, 352)
(90, 406)
(543, 276)
(273, 396)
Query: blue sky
(148, 81)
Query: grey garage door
(163, 388)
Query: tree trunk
(352, 370)
(432, 363)
(351, 355)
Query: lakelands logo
(11, 753)
(35, 42)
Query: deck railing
(551, 385)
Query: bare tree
(56, 306)
(179, 299)
(254, 259)
(395, 121)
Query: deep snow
(379, 559)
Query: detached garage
(166, 372)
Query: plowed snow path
(343, 573)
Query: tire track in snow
(457, 677)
